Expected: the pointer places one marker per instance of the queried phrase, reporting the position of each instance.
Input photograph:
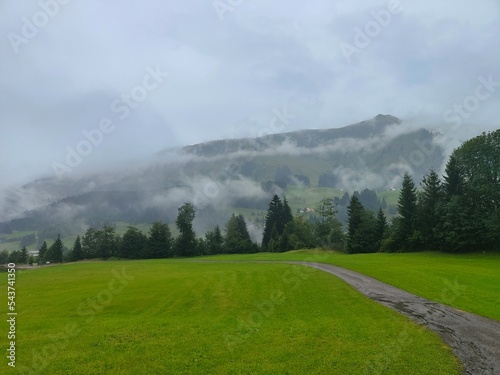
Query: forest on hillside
(456, 213)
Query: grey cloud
(227, 77)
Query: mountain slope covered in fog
(222, 175)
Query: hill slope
(222, 175)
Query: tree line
(456, 213)
(158, 243)
(282, 232)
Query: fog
(93, 90)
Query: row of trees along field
(158, 243)
(455, 214)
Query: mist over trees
(457, 212)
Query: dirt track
(475, 340)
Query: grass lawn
(178, 317)
(469, 282)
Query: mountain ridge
(307, 138)
(223, 175)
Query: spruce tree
(355, 212)
(42, 252)
(24, 256)
(134, 244)
(242, 228)
(429, 199)
(362, 228)
(90, 243)
(160, 241)
(214, 242)
(471, 214)
(407, 211)
(77, 252)
(55, 252)
(107, 242)
(272, 220)
(237, 238)
(381, 228)
(453, 179)
(185, 244)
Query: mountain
(307, 139)
(372, 153)
(222, 175)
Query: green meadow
(469, 282)
(188, 317)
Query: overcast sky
(166, 73)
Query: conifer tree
(186, 244)
(237, 238)
(42, 253)
(429, 199)
(355, 213)
(381, 228)
(55, 252)
(407, 210)
(77, 251)
(272, 218)
(107, 242)
(24, 256)
(90, 243)
(160, 241)
(134, 244)
(361, 233)
(214, 242)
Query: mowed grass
(184, 317)
(469, 282)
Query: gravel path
(475, 340)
